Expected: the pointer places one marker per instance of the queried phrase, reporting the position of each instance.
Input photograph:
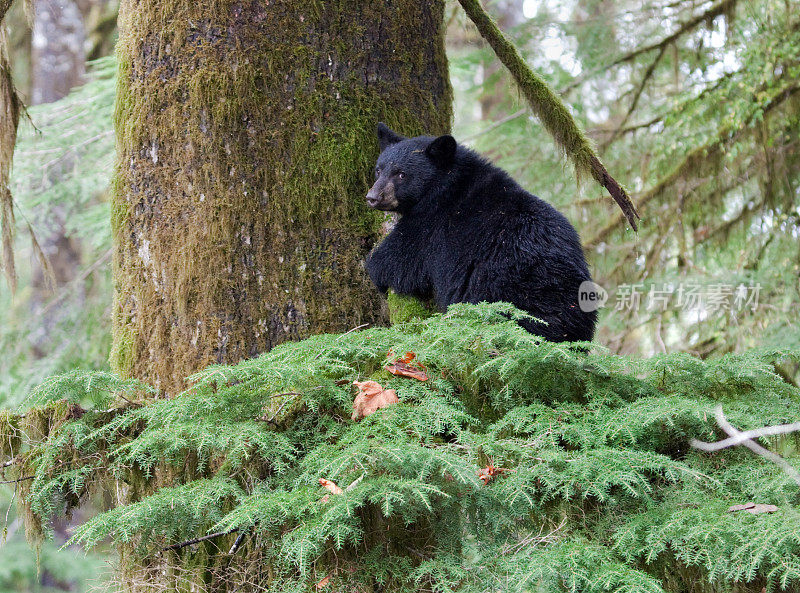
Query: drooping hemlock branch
(550, 110)
(636, 96)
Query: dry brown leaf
(405, 367)
(330, 486)
(401, 369)
(371, 397)
(741, 507)
(324, 582)
(753, 508)
(489, 473)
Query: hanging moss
(246, 138)
(10, 435)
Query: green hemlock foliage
(596, 486)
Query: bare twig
(283, 405)
(636, 95)
(18, 480)
(197, 540)
(73, 284)
(495, 125)
(737, 437)
(238, 542)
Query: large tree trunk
(246, 140)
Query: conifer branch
(636, 96)
(722, 7)
(631, 128)
(550, 110)
(704, 154)
(18, 480)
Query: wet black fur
(469, 233)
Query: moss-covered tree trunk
(246, 139)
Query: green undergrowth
(599, 489)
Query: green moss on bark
(246, 141)
(246, 138)
(406, 308)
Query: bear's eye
(400, 175)
(377, 173)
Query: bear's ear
(442, 151)
(387, 137)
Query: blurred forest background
(694, 105)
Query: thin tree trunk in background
(509, 15)
(57, 66)
(246, 141)
(58, 58)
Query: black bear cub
(469, 233)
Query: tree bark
(246, 140)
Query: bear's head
(409, 169)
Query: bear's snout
(373, 197)
(381, 196)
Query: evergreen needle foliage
(598, 488)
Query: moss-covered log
(246, 141)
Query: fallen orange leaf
(401, 369)
(488, 473)
(371, 397)
(324, 582)
(408, 357)
(330, 486)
